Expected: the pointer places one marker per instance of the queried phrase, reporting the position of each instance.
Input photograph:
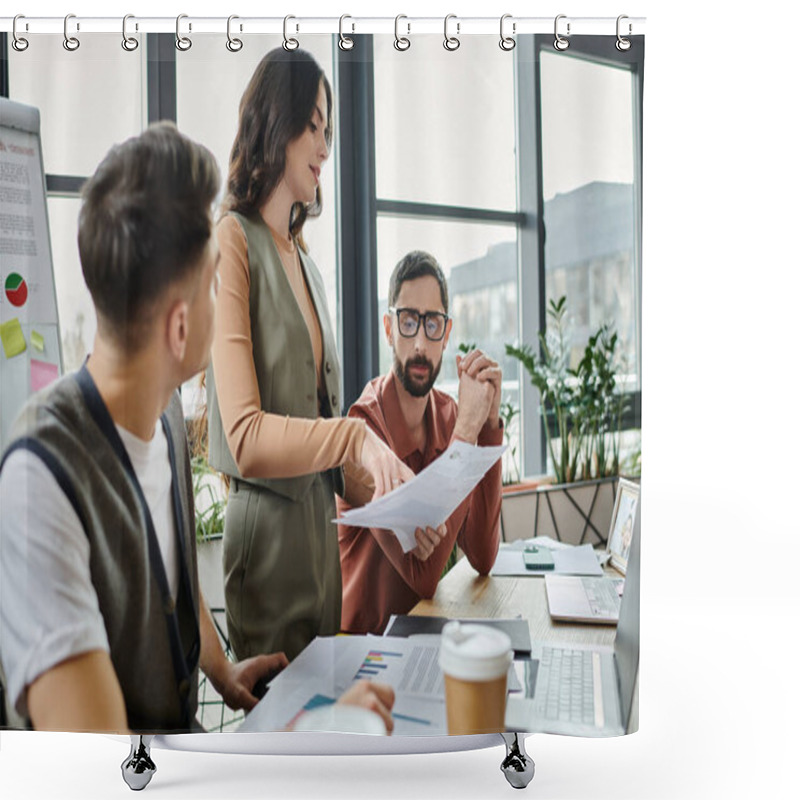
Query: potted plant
(582, 408)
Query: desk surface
(462, 593)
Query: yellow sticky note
(37, 340)
(13, 339)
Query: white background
(719, 705)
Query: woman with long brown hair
(273, 388)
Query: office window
(88, 100)
(446, 182)
(444, 123)
(589, 168)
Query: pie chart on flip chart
(16, 289)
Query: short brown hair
(143, 225)
(413, 265)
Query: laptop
(573, 598)
(584, 690)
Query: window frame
(359, 207)
(601, 50)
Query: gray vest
(282, 354)
(66, 427)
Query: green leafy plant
(582, 407)
(209, 503)
(508, 411)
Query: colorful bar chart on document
(375, 661)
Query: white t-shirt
(48, 606)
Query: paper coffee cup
(475, 661)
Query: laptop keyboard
(602, 596)
(573, 692)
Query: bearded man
(419, 422)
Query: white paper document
(581, 560)
(428, 499)
(330, 665)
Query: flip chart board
(30, 355)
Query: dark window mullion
(358, 299)
(405, 208)
(162, 96)
(64, 185)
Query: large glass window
(464, 160)
(444, 123)
(445, 165)
(89, 99)
(588, 169)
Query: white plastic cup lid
(471, 652)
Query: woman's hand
(387, 470)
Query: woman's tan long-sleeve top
(266, 445)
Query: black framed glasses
(409, 319)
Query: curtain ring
(507, 42)
(622, 43)
(289, 43)
(129, 43)
(345, 42)
(561, 43)
(182, 43)
(451, 43)
(234, 44)
(401, 43)
(71, 43)
(19, 43)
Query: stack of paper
(330, 665)
(430, 497)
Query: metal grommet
(451, 43)
(345, 42)
(19, 43)
(129, 43)
(507, 43)
(71, 43)
(622, 43)
(561, 43)
(234, 44)
(182, 43)
(289, 43)
(401, 43)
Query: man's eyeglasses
(409, 319)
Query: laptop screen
(626, 643)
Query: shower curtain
(518, 167)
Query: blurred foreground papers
(430, 497)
